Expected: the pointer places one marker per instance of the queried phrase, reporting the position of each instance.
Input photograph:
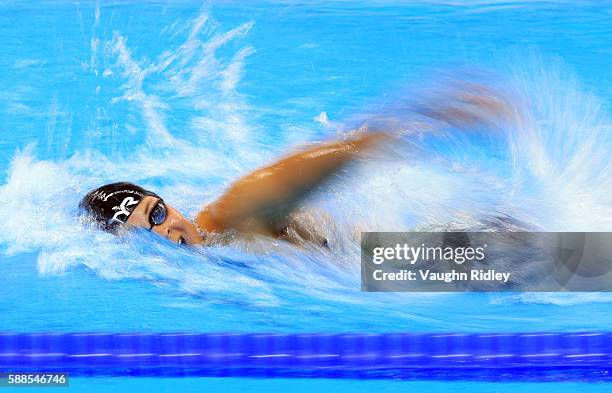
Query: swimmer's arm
(258, 201)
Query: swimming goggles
(158, 214)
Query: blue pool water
(183, 97)
(231, 385)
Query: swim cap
(112, 204)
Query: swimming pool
(183, 97)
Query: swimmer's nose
(173, 230)
(177, 231)
(175, 224)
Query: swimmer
(268, 201)
(264, 202)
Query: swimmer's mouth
(180, 240)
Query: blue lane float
(533, 356)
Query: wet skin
(276, 189)
(175, 228)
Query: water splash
(550, 171)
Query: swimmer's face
(175, 227)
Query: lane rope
(392, 355)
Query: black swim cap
(112, 204)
